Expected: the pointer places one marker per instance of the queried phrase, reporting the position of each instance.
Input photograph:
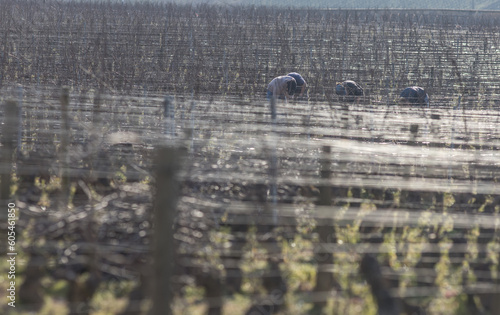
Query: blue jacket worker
(349, 88)
(414, 95)
(301, 83)
(282, 87)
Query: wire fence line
(405, 196)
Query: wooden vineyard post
(20, 117)
(452, 146)
(96, 113)
(191, 133)
(370, 269)
(326, 233)
(65, 132)
(169, 115)
(273, 109)
(274, 164)
(9, 134)
(272, 280)
(167, 163)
